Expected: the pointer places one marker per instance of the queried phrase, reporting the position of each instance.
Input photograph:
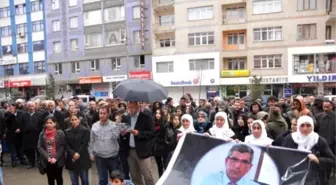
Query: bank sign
(322, 78)
(193, 82)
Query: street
(20, 175)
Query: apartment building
(224, 45)
(94, 44)
(22, 47)
(186, 47)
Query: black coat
(12, 124)
(30, 127)
(77, 142)
(59, 119)
(143, 141)
(60, 148)
(326, 128)
(317, 172)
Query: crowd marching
(122, 137)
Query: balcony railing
(159, 3)
(164, 27)
(234, 20)
(90, 1)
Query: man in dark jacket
(51, 111)
(13, 135)
(31, 124)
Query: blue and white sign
(322, 78)
(288, 92)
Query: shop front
(140, 75)
(112, 82)
(86, 86)
(323, 84)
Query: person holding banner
(221, 128)
(307, 140)
(237, 164)
(187, 125)
(259, 135)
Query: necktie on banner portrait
(201, 160)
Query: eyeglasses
(256, 128)
(305, 125)
(236, 160)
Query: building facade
(98, 44)
(22, 47)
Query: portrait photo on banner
(235, 163)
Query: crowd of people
(122, 137)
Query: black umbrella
(140, 90)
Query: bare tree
(256, 87)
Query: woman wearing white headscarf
(221, 128)
(187, 125)
(306, 139)
(259, 134)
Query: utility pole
(200, 84)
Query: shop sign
(276, 79)
(140, 75)
(142, 24)
(235, 73)
(322, 78)
(90, 80)
(115, 78)
(22, 83)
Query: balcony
(163, 5)
(234, 20)
(229, 2)
(330, 41)
(234, 73)
(164, 28)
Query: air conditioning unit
(22, 35)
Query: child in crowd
(118, 178)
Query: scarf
(191, 126)
(223, 132)
(263, 139)
(51, 142)
(305, 143)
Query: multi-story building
(22, 47)
(94, 44)
(186, 42)
(226, 45)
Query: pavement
(21, 175)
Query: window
(9, 69)
(165, 43)
(21, 29)
(136, 12)
(235, 13)
(54, 4)
(6, 31)
(266, 6)
(4, 12)
(38, 45)
(22, 48)
(56, 25)
(314, 63)
(196, 39)
(39, 67)
(74, 44)
(93, 17)
(267, 61)
(36, 6)
(236, 38)
(75, 67)
(37, 26)
(116, 64)
(306, 4)
(139, 61)
(201, 64)
(115, 38)
(58, 69)
(236, 64)
(7, 50)
(200, 13)
(136, 37)
(114, 14)
(165, 67)
(95, 65)
(267, 34)
(328, 33)
(306, 31)
(93, 40)
(73, 22)
(23, 69)
(167, 20)
(20, 9)
(72, 2)
(57, 47)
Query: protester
(220, 129)
(52, 146)
(159, 141)
(78, 159)
(117, 178)
(202, 124)
(187, 125)
(259, 135)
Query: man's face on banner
(237, 165)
